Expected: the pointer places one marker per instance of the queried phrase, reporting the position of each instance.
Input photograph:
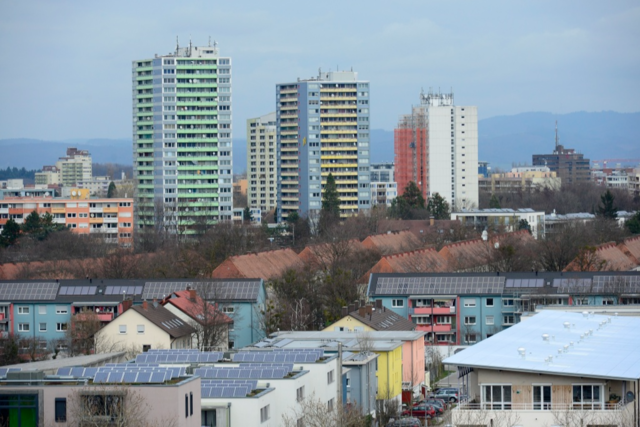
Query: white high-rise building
(452, 137)
(182, 139)
(262, 162)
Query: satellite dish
(73, 193)
(630, 396)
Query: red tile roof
(264, 265)
(420, 261)
(393, 242)
(194, 308)
(631, 248)
(608, 257)
(322, 255)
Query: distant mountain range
(503, 140)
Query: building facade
(182, 146)
(262, 175)
(322, 129)
(76, 166)
(109, 218)
(502, 219)
(436, 146)
(520, 180)
(571, 167)
(384, 189)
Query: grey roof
(28, 291)
(63, 362)
(544, 283)
(220, 290)
(608, 350)
(164, 319)
(384, 320)
(336, 335)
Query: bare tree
(474, 415)
(313, 412)
(79, 337)
(387, 406)
(210, 323)
(101, 406)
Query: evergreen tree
(331, 198)
(607, 209)
(494, 203)
(111, 192)
(413, 196)
(523, 224)
(438, 207)
(633, 224)
(246, 214)
(10, 232)
(32, 225)
(409, 203)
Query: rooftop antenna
(209, 41)
(557, 139)
(177, 44)
(189, 44)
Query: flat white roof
(592, 346)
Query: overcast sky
(65, 66)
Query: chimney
(362, 303)
(155, 302)
(432, 220)
(192, 294)
(357, 305)
(369, 309)
(345, 311)
(378, 304)
(362, 311)
(145, 305)
(352, 308)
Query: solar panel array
(524, 283)
(3, 371)
(77, 290)
(439, 285)
(28, 291)
(288, 366)
(241, 290)
(195, 357)
(226, 390)
(274, 356)
(245, 373)
(127, 290)
(77, 372)
(133, 374)
(618, 284)
(221, 382)
(568, 285)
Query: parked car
(439, 404)
(449, 395)
(405, 422)
(423, 411)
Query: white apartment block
(453, 150)
(262, 188)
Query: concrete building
(554, 222)
(182, 146)
(520, 179)
(322, 129)
(48, 175)
(109, 218)
(506, 219)
(570, 167)
(262, 162)
(555, 368)
(383, 186)
(436, 146)
(76, 166)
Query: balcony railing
(559, 407)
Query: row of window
(42, 327)
(585, 396)
(42, 309)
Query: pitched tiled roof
(383, 320)
(423, 260)
(609, 257)
(164, 319)
(264, 265)
(631, 248)
(393, 243)
(323, 254)
(195, 308)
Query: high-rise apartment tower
(262, 162)
(436, 146)
(322, 128)
(182, 148)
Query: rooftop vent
(545, 337)
(567, 325)
(522, 351)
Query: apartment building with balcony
(111, 219)
(182, 146)
(555, 368)
(465, 308)
(262, 162)
(502, 219)
(323, 128)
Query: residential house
(144, 327)
(556, 368)
(605, 257)
(502, 219)
(369, 318)
(391, 243)
(211, 325)
(265, 265)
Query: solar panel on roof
(61, 371)
(130, 377)
(28, 291)
(144, 377)
(101, 377)
(157, 377)
(116, 376)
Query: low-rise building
(520, 180)
(556, 368)
(146, 326)
(502, 219)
